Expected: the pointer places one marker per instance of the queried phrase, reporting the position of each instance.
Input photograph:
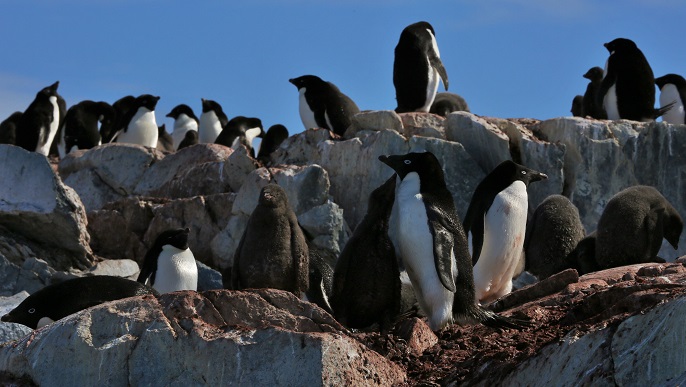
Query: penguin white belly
(251, 134)
(504, 230)
(610, 104)
(182, 125)
(209, 128)
(433, 78)
(176, 270)
(44, 148)
(142, 129)
(417, 251)
(306, 115)
(669, 94)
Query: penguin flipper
(492, 319)
(235, 277)
(664, 109)
(436, 63)
(609, 80)
(149, 268)
(444, 242)
(474, 223)
(300, 255)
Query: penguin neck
(185, 123)
(409, 187)
(251, 133)
(144, 116)
(171, 250)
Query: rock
(208, 278)
(125, 268)
(374, 120)
(37, 205)
(177, 164)
(553, 284)
(417, 334)
(477, 135)
(199, 179)
(191, 338)
(11, 331)
(226, 241)
(301, 148)
(326, 226)
(306, 187)
(11, 302)
(247, 198)
(107, 172)
(423, 124)
(237, 166)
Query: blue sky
(510, 58)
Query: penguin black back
(176, 237)
(446, 103)
(81, 124)
(324, 105)
(578, 106)
(271, 141)
(500, 178)
(121, 107)
(8, 129)
(62, 299)
(191, 138)
(367, 284)
(180, 109)
(240, 130)
(591, 100)
(416, 68)
(33, 131)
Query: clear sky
(509, 58)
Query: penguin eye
(408, 162)
(32, 310)
(523, 172)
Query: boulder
(213, 338)
(374, 120)
(484, 142)
(37, 205)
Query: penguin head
(306, 81)
(243, 124)
(425, 164)
(510, 171)
(278, 133)
(182, 109)
(674, 79)
(147, 101)
(48, 91)
(162, 128)
(272, 196)
(594, 74)
(107, 114)
(29, 312)
(621, 45)
(177, 237)
(422, 31)
(209, 105)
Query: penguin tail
(659, 112)
(493, 320)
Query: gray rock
(306, 187)
(198, 179)
(226, 241)
(125, 268)
(374, 120)
(11, 331)
(36, 204)
(423, 124)
(326, 225)
(248, 195)
(301, 148)
(484, 142)
(208, 278)
(237, 166)
(10, 302)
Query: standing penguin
(628, 87)
(417, 68)
(241, 131)
(271, 141)
(121, 107)
(323, 105)
(191, 138)
(591, 105)
(273, 251)
(80, 129)
(212, 121)
(366, 285)
(39, 123)
(169, 265)
(184, 120)
(578, 106)
(672, 93)
(165, 142)
(496, 224)
(433, 246)
(140, 126)
(8, 129)
(555, 230)
(632, 227)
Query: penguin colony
(411, 234)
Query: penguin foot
(493, 320)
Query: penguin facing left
(169, 265)
(433, 246)
(39, 123)
(59, 300)
(366, 287)
(628, 87)
(672, 91)
(323, 105)
(496, 224)
(272, 252)
(271, 141)
(140, 126)
(591, 105)
(241, 131)
(80, 129)
(165, 142)
(417, 68)
(184, 120)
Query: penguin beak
(538, 176)
(6, 318)
(391, 161)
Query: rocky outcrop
(214, 338)
(35, 204)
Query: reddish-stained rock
(417, 334)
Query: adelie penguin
(169, 265)
(433, 245)
(184, 120)
(417, 68)
(38, 125)
(82, 126)
(57, 301)
(272, 252)
(366, 285)
(139, 124)
(271, 141)
(241, 131)
(191, 138)
(212, 121)
(446, 103)
(628, 87)
(591, 104)
(8, 129)
(165, 142)
(672, 93)
(632, 227)
(496, 225)
(121, 107)
(323, 105)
